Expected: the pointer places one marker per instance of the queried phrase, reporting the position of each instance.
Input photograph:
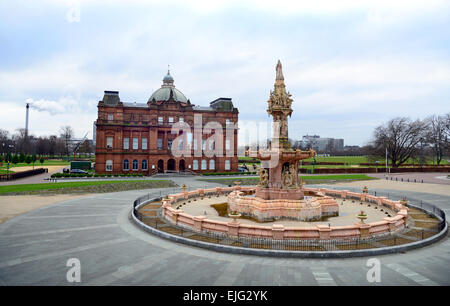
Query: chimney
(26, 121)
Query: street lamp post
(421, 153)
(8, 156)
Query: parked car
(242, 169)
(79, 171)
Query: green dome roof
(163, 94)
(167, 89)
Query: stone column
(176, 213)
(233, 228)
(198, 221)
(364, 229)
(278, 231)
(324, 232)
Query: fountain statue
(280, 193)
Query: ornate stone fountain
(280, 194)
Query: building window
(109, 142)
(109, 165)
(160, 120)
(212, 164)
(203, 144)
(204, 164)
(135, 143)
(126, 165)
(169, 144)
(211, 145)
(126, 143)
(170, 120)
(144, 164)
(227, 122)
(135, 165)
(227, 144)
(195, 164)
(181, 119)
(110, 117)
(144, 143)
(227, 164)
(160, 143)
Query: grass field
(23, 188)
(355, 160)
(316, 179)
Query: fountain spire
(279, 70)
(280, 103)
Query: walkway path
(97, 230)
(35, 179)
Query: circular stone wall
(201, 223)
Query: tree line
(19, 146)
(404, 139)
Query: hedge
(60, 175)
(228, 173)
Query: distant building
(137, 137)
(319, 144)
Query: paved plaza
(97, 230)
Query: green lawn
(337, 177)
(355, 160)
(66, 185)
(310, 179)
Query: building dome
(167, 90)
(168, 78)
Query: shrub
(22, 157)
(15, 159)
(41, 160)
(28, 159)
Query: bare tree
(447, 126)
(436, 135)
(4, 141)
(400, 136)
(66, 134)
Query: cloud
(346, 63)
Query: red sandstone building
(138, 137)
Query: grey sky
(349, 65)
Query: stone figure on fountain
(263, 177)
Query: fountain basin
(312, 207)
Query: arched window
(126, 165)
(109, 165)
(135, 165)
(195, 164)
(144, 164)
(212, 164)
